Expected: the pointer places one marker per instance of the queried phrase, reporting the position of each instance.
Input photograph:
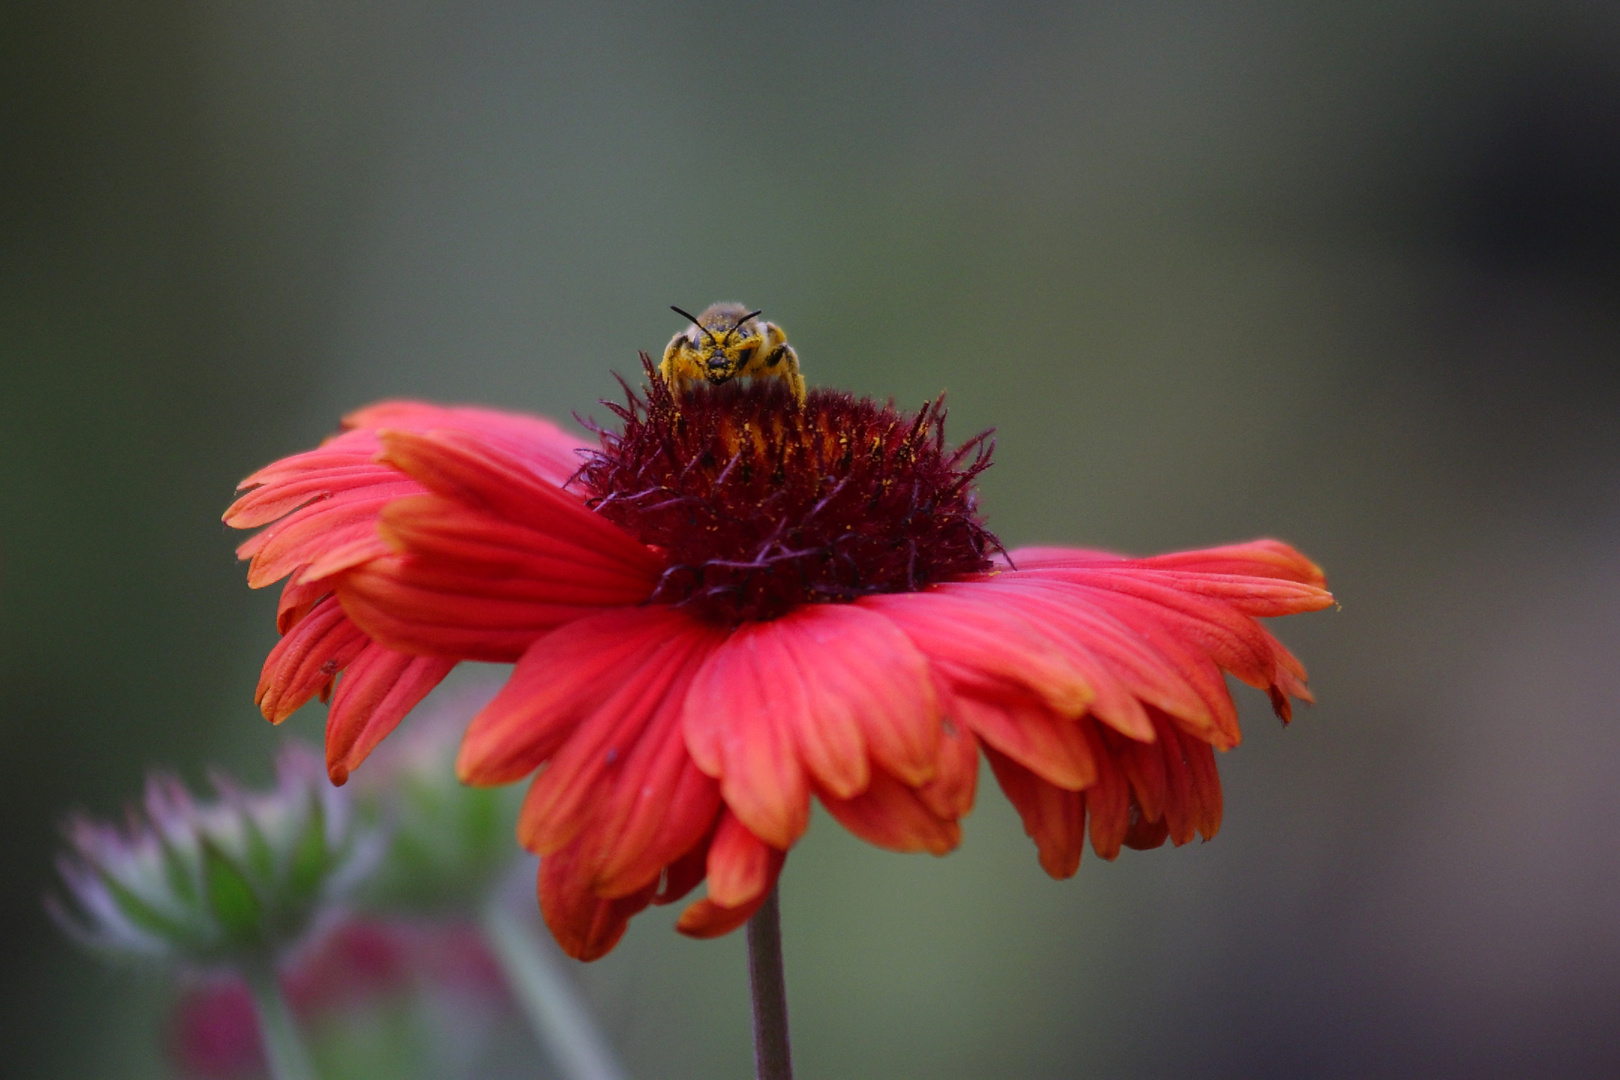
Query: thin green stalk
(773, 1059)
(559, 1020)
(283, 1047)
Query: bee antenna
(693, 319)
(742, 320)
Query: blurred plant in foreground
(406, 1000)
(237, 882)
(375, 921)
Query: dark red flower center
(762, 503)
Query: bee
(725, 342)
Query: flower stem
(773, 1060)
(559, 1020)
(284, 1049)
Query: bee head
(721, 341)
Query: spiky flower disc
(762, 504)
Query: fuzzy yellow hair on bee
(725, 342)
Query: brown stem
(772, 1059)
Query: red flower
(737, 601)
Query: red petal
(551, 452)
(1233, 640)
(1024, 729)
(748, 870)
(1146, 833)
(471, 471)
(584, 924)
(314, 532)
(1143, 766)
(895, 816)
(1108, 801)
(1258, 558)
(1209, 600)
(377, 689)
(1256, 597)
(860, 665)
(560, 680)
(307, 659)
(656, 821)
(970, 635)
(739, 864)
(325, 498)
(739, 722)
(950, 793)
(1184, 646)
(474, 586)
(344, 464)
(1053, 817)
(816, 691)
(1194, 785)
(636, 728)
(1120, 662)
(1036, 558)
(707, 919)
(298, 600)
(328, 499)
(687, 872)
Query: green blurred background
(1344, 274)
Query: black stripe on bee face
(744, 356)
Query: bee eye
(744, 356)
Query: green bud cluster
(233, 880)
